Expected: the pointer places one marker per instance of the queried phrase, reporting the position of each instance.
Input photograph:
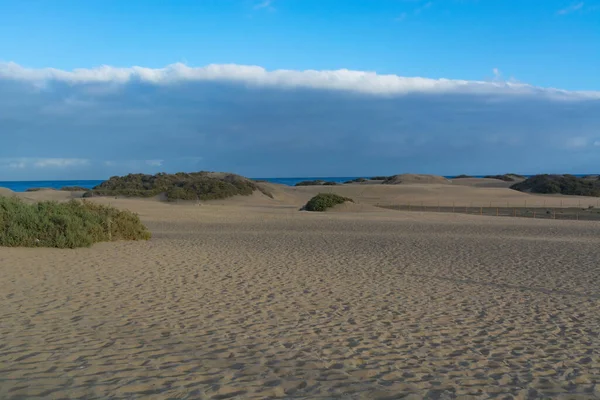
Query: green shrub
(323, 201)
(317, 182)
(65, 225)
(462, 177)
(37, 189)
(310, 183)
(357, 180)
(379, 178)
(179, 186)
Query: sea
(22, 186)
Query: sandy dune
(255, 299)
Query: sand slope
(268, 302)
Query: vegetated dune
(414, 178)
(180, 186)
(559, 184)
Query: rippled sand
(265, 301)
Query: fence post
(438, 206)
(480, 210)
(409, 206)
(497, 211)
(533, 214)
(452, 206)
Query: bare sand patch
(260, 300)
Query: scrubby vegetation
(323, 201)
(74, 189)
(506, 177)
(37, 189)
(317, 182)
(559, 184)
(65, 225)
(379, 178)
(357, 180)
(462, 176)
(179, 186)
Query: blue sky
(432, 82)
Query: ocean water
(21, 186)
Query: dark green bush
(310, 183)
(179, 186)
(37, 189)
(462, 177)
(317, 182)
(323, 201)
(379, 178)
(559, 184)
(65, 225)
(357, 180)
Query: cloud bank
(93, 123)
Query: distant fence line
(564, 213)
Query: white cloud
(155, 163)
(16, 165)
(338, 80)
(266, 4)
(27, 162)
(577, 142)
(59, 162)
(571, 9)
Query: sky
(283, 88)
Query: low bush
(378, 178)
(462, 176)
(317, 182)
(37, 189)
(357, 180)
(323, 201)
(179, 186)
(65, 225)
(310, 183)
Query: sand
(255, 299)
